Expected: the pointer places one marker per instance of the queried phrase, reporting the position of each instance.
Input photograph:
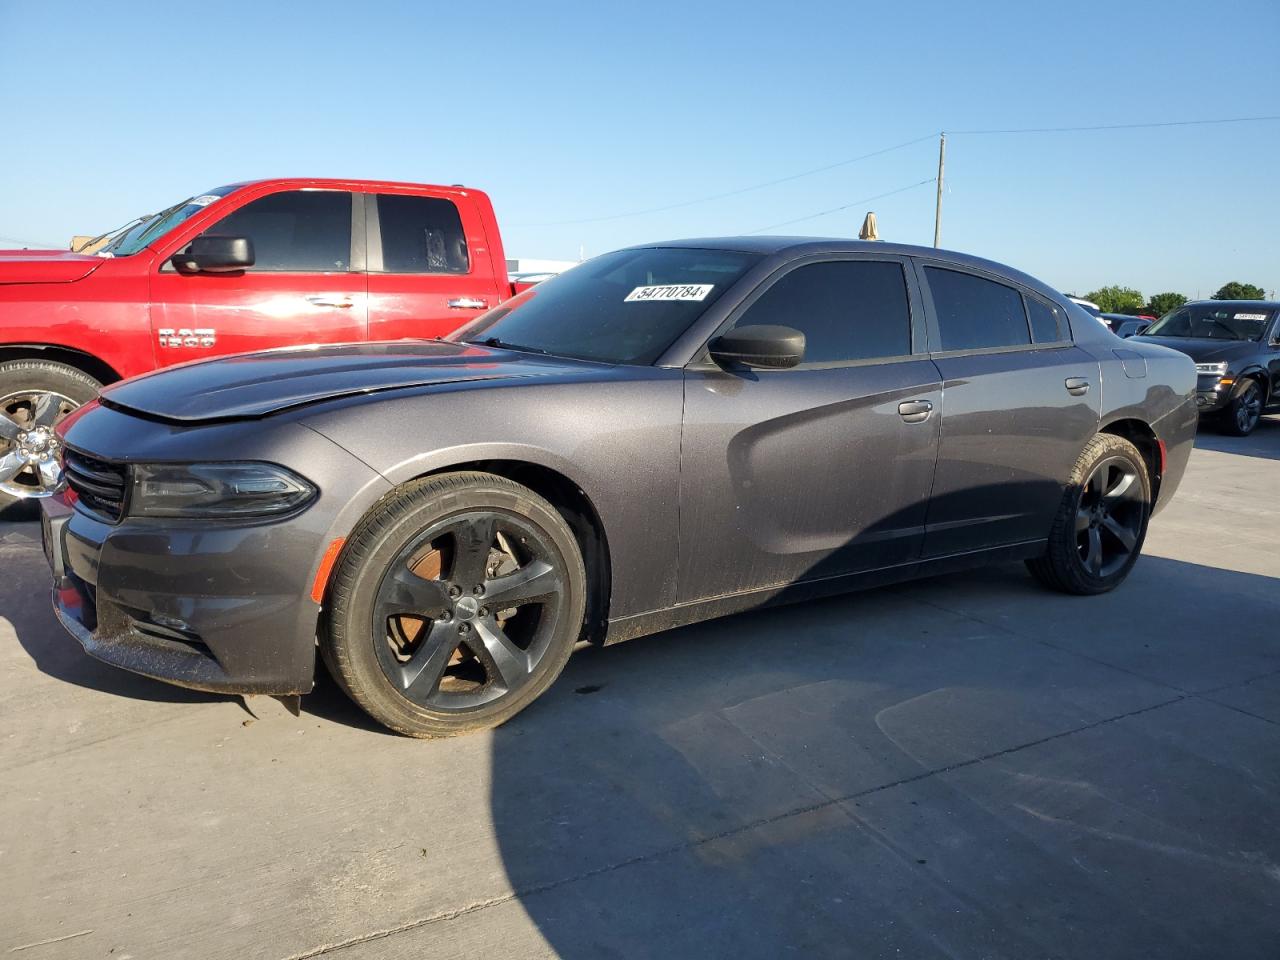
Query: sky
(592, 112)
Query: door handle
(915, 411)
(343, 302)
(1076, 386)
(468, 303)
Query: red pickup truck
(243, 267)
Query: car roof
(1233, 304)
(792, 247)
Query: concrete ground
(964, 767)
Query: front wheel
(1245, 411)
(1101, 524)
(34, 397)
(457, 601)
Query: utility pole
(937, 210)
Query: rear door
(815, 471)
(430, 270)
(1020, 401)
(307, 283)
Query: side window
(974, 313)
(1046, 322)
(847, 309)
(421, 235)
(303, 231)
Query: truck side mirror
(213, 254)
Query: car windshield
(1209, 321)
(152, 227)
(623, 307)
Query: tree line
(1130, 301)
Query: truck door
(429, 265)
(306, 285)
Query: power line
(29, 243)
(739, 191)
(852, 203)
(1120, 126)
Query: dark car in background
(1123, 325)
(1236, 347)
(659, 436)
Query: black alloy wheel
(456, 601)
(1098, 532)
(1245, 410)
(467, 610)
(1110, 516)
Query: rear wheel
(1100, 527)
(35, 395)
(457, 601)
(1245, 411)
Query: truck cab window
(296, 231)
(421, 235)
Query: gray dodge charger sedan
(661, 435)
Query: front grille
(99, 485)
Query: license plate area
(54, 515)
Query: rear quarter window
(975, 313)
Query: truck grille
(99, 485)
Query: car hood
(1204, 350)
(46, 266)
(258, 384)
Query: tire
(414, 632)
(28, 467)
(1245, 411)
(1098, 532)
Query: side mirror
(759, 345)
(208, 254)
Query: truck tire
(35, 395)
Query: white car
(1093, 309)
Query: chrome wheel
(29, 447)
(467, 610)
(1109, 517)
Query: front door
(1020, 403)
(303, 287)
(429, 266)
(822, 469)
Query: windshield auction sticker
(671, 291)
(203, 201)
(1251, 316)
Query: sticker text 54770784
(670, 291)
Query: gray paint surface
(716, 490)
(1079, 777)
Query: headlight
(216, 490)
(1215, 369)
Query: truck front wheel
(34, 396)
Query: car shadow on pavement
(967, 765)
(1263, 442)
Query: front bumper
(221, 609)
(223, 606)
(1212, 395)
